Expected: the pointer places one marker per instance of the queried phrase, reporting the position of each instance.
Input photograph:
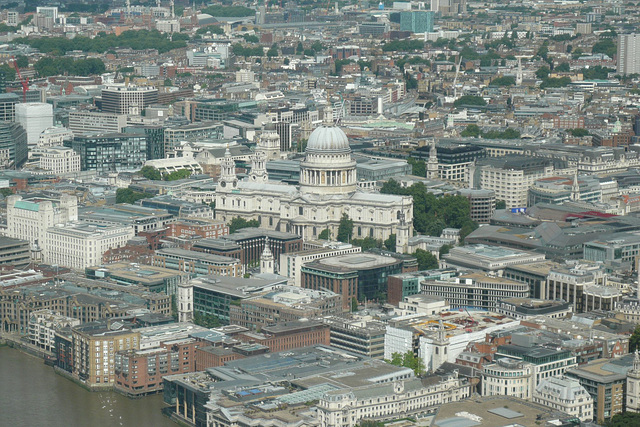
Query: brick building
(205, 228)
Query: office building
(566, 395)
(8, 103)
(43, 325)
(489, 258)
(34, 117)
(174, 135)
(417, 21)
(128, 99)
(14, 252)
(197, 263)
(78, 245)
(59, 160)
(628, 54)
(114, 152)
(508, 377)
(29, 219)
(95, 122)
(356, 276)
(291, 263)
(154, 278)
(482, 204)
(359, 336)
(13, 145)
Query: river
(32, 394)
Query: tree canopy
(127, 195)
(176, 175)
(426, 260)
(624, 419)
(52, 66)
(151, 173)
(345, 229)
(408, 360)
(470, 100)
(240, 223)
(229, 11)
(432, 214)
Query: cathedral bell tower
(440, 348)
(228, 179)
(259, 167)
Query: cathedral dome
(328, 138)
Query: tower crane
(23, 82)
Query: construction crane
(23, 82)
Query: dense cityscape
(310, 214)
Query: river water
(33, 395)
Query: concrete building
(95, 122)
(357, 335)
(127, 99)
(287, 303)
(14, 252)
(566, 395)
(54, 137)
(43, 324)
(407, 284)
(526, 308)
(29, 219)
(417, 21)
(508, 377)
(489, 258)
(153, 278)
(482, 204)
(197, 263)
(475, 290)
(291, 263)
(34, 117)
(628, 54)
(59, 160)
(78, 245)
(8, 103)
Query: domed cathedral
(327, 190)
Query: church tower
(575, 188)
(440, 348)
(633, 385)
(267, 260)
(228, 179)
(185, 302)
(432, 163)
(269, 142)
(403, 232)
(259, 167)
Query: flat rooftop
(356, 261)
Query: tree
(22, 61)
(624, 419)
(408, 360)
(501, 204)
(299, 48)
(563, 68)
(503, 81)
(578, 133)
(325, 234)
(367, 243)
(472, 131)
(470, 100)
(542, 72)
(390, 243)
(206, 320)
(176, 175)
(6, 191)
(273, 51)
(634, 340)
(418, 167)
(426, 260)
(127, 195)
(240, 223)
(370, 423)
(354, 305)
(168, 82)
(444, 249)
(151, 173)
(606, 46)
(345, 229)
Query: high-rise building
(94, 122)
(13, 145)
(417, 21)
(111, 152)
(128, 99)
(34, 117)
(629, 53)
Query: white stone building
(30, 219)
(59, 160)
(346, 408)
(566, 395)
(78, 245)
(508, 377)
(92, 121)
(43, 325)
(291, 263)
(327, 191)
(34, 117)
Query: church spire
(575, 188)
(228, 178)
(267, 259)
(432, 163)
